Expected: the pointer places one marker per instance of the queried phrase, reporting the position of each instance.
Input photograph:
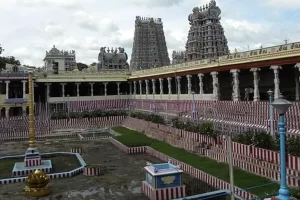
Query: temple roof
(54, 51)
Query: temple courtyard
(122, 179)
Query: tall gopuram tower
(149, 44)
(206, 37)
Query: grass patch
(132, 138)
(7, 165)
(242, 178)
(60, 163)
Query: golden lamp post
(31, 113)
(32, 155)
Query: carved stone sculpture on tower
(112, 59)
(235, 82)
(149, 44)
(178, 57)
(216, 92)
(206, 37)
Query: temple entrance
(15, 111)
(2, 112)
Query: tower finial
(212, 3)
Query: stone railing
(106, 75)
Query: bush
(148, 117)
(88, 114)
(205, 128)
(264, 140)
(295, 193)
(259, 139)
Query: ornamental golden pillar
(31, 112)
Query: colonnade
(7, 82)
(215, 83)
(78, 88)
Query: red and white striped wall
(240, 111)
(255, 113)
(77, 150)
(163, 194)
(32, 161)
(18, 127)
(51, 176)
(26, 172)
(136, 150)
(92, 171)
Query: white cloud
(21, 52)
(175, 40)
(87, 25)
(157, 3)
(26, 56)
(86, 21)
(93, 43)
(287, 4)
(53, 30)
(71, 43)
(46, 3)
(241, 33)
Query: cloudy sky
(29, 28)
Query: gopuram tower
(206, 37)
(149, 44)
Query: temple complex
(237, 76)
(234, 93)
(149, 44)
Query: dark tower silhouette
(149, 44)
(206, 37)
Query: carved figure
(112, 59)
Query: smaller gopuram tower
(206, 37)
(149, 44)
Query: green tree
(81, 66)
(9, 60)
(94, 64)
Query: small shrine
(163, 180)
(37, 184)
